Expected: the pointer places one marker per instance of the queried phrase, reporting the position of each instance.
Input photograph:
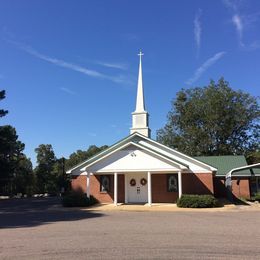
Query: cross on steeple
(140, 54)
(140, 116)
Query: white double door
(138, 192)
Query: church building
(138, 169)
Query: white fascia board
(139, 146)
(100, 154)
(246, 167)
(188, 158)
(157, 171)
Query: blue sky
(70, 67)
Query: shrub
(257, 197)
(77, 199)
(197, 201)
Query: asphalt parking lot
(41, 229)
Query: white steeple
(140, 106)
(140, 122)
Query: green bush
(257, 197)
(77, 199)
(197, 201)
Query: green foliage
(11, 152)
(256, 197)
(45, 175)
(61, 178)
(213, 120)
(2, 96)
(78, 199)
(16, 174)
(253, 157)
(80, 156)
(197, 201)
(24, 179)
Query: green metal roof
(226, 163)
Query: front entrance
(137, 191)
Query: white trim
(149, 182)
(88, 184)
(109, 148)
(139, 146)
(228, 175)
(130, 137)
(115, 188)
(157, 171)
(126, 188)
(188, 158)
(179, 184)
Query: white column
(115, 188)
(126, 189)
(180, 184)
(88, 184)
(149, 178)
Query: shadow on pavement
(15, 213)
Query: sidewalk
(170, 207)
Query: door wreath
(132, 182)
(143, 181)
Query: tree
(16, 175)
(80, 156)
(62, 180)
(10, 153)
(45, 175)
(2, 96)
(213, 120)
(24, 180)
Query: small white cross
(140, 54)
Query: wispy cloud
(68, 91)
(69, 65)
(92, 134)
(211, 61)
(253, 46)
(114, 65)
(113, 126)
(237, 21)
(232, 4)
(131, 36)
(241, 22)
(197, 30)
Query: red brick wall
(103, 197)
(219, 187)
(160, 189)
(79, 183)
(239, 189)
(197, 183)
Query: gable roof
(150, 145)
(226, 163)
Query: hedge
(197, 201)
(77, 199)
(257, 197)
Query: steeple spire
(140, 122)
(140, 105)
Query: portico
(138, 186)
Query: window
(104, 183)
(172, 183)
